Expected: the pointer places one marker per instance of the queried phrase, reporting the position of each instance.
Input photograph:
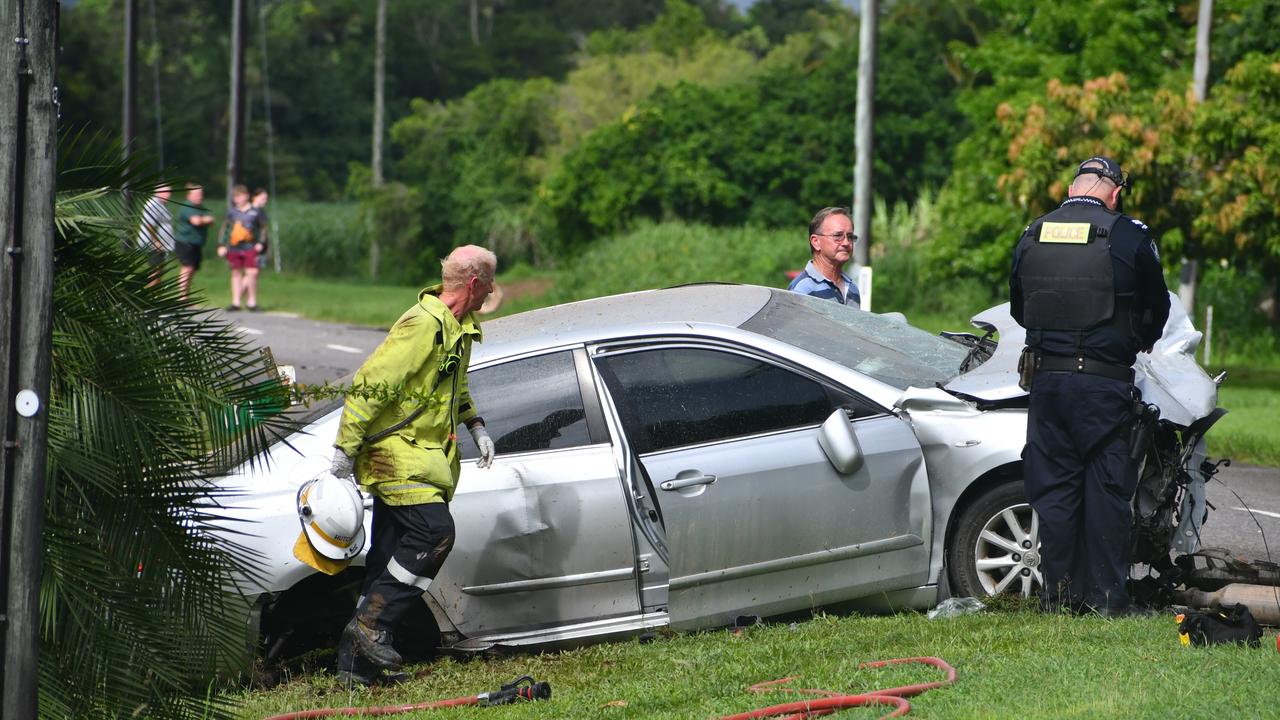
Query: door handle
(683, 482)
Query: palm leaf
(150, 397)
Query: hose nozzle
(522, 688)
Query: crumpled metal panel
(1168, 376)
(1191, 513)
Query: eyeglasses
(847, 236)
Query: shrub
(324, 239)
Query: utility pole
(235, 122)
(28, 160)
(129, 103)
(379, 107)
(864, 122)
(1200, 87)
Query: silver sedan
(690, 457)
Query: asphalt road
(1233, 493)
(327, 351)
(317, 351)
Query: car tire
(995, 548)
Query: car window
(529, 404)
(886, 349)
(669, 397)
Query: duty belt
(1088, 366)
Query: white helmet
(331, 511)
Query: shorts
(242, 259)
(156, 257)
(189, 255)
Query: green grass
(350, 302)
(1250, 432)
(1010, 663)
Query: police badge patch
(1056, 232)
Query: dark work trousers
(408, 545)
(1080, 480)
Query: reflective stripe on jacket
(418, 463)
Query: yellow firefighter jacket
(422, 361)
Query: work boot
(351, 667)
(373, 644)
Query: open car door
(759, 519)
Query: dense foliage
(539, 127)
(316, 73)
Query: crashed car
(691, 456)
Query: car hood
(1168, 376)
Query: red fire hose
(830, 702)
(526, 688)
(522, 688)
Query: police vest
(1068, 280)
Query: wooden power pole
(864, 122)
(28, 159)
(235, 122)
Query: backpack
(1228, 623)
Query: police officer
(1087, 285)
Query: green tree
(781, 18)
(474, 164)
(767, 151)
(1236, 206)
(149, 397)
(1024, 52)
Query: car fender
(961, 445)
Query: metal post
(155, 87)
(1189, 276)
(864, 122)
(28, 158)
(278, 252)
(235, 122)
(1208, 335)
(379, 82)
(379, 101)
(129, 102)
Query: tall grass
(675, 253)
(320, 239)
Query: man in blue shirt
(831, 242)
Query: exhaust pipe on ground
(1263, 601)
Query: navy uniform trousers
(408, 545)
(1080, 480)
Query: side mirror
(838, 441)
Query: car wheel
(996, 548)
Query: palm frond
(150, 397)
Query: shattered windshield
(886, 349)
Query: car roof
(637, 313)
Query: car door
(543, 536)
(757, 519)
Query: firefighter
(1087, 285)
(398, 435)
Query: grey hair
(465, 263)
(816, 223)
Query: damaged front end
(1170, 504)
